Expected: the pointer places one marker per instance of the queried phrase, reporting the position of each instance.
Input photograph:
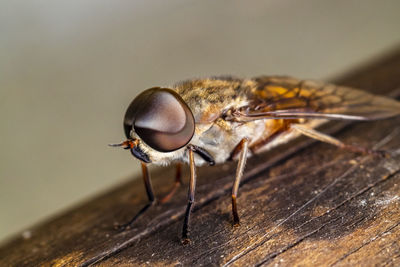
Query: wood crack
(390, 261)
(360, 192)
(366, 243)
(292, 245)
(270, 179)
(262, 239)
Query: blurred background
(69, 69)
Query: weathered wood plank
(300, 204)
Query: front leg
(192, 187)
(243, 148)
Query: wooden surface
(305, 203)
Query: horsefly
(209, 121)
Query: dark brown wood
(305, 203)
(150, 196)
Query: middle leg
(243, 147)
(177, 184)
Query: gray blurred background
(68, 70)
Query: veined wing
(289, 98)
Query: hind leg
(310, 132)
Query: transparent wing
(289, 98)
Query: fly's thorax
(221, 137)
(208, 99)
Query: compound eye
(161, 119)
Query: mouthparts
(133, 146)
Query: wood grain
(304, 203)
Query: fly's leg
(192, 188)
(150, 195)
(307, 131)
(235, 152)
(278, 127)
(243, 147)
(177, 184)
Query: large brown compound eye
(161, 119)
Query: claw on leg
(236, 221)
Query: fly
(209, 121)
